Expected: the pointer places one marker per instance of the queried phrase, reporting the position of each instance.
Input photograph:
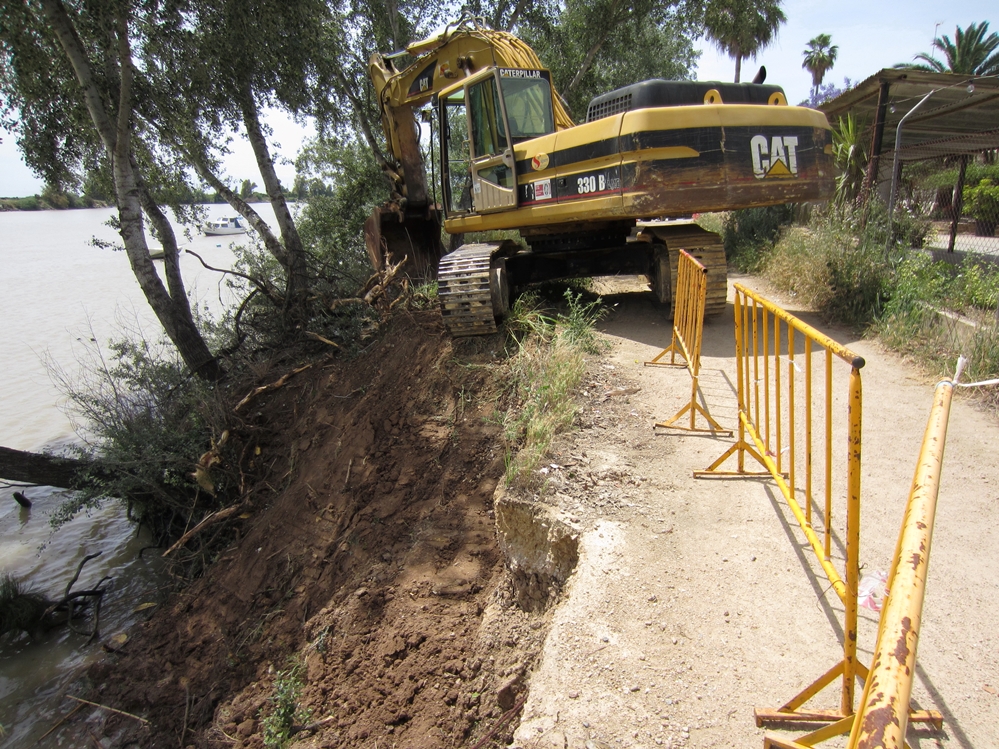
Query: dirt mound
(371, 558)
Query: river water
(59, 295)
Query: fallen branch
(373, 288)
(209, 520)
(109, 709)
(318, 337)
(262, 286)
(268, 388)
(314, 726)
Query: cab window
(488, 138)
(528, 107)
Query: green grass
(544, 370)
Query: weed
(751, 232)
(284, 710)
(543, 373)
(842, 269)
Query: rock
(247, 728)
(506, 695)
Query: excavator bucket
(390, 234)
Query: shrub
(982, 201)
(751, 232)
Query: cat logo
(775, 157)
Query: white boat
(232, 225)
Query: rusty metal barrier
(786, 415)
(688, 329)
(884, 714)
(777, 392)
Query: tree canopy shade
(143, 92)
(971, 53)
(819, 58)
(741, 28)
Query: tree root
(256, 392)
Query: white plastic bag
(872, 589)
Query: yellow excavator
(598, 198)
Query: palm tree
(971, 53)
(819, 58)
(741, 28)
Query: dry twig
(213, 518)
(109, 709)
(278, 383)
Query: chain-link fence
(951, 202)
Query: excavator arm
(404, 82)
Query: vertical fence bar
(779, 445)
(829, 427)
(791, 434)
(852, 539)
(766, 378)
(756, 363)
(808, 428)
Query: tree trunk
(298, 278)
(738, 67)
(174, 313)
(271, 242)
(43, 470)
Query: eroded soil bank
(371, 556)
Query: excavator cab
(482, 117)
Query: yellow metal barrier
(786, 406)
(884, 714)
(777, 399)
(688, 329)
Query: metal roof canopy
(962, 116)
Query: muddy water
(61, 298)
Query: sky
(870, 36)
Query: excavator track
(706, 246)
(463, 287)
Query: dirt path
(695, 601)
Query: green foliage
(849, 142)
(982, 200)
(543, 372)
(595, 46)
(839, 266)
(332, 226)
(30, 203)
(741, 28)
(971, 52)
(145, 422)
(835, 266)
(947, 177)
(751, 232)
(819, 58)
(284, 708)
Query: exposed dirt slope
(376, 557)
